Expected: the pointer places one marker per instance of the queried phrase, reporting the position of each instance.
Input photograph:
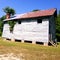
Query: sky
(23, 6)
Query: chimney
(7, 16)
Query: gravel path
(9, 56)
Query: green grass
(30, 51)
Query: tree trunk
(7, 16)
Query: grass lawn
(30, 51)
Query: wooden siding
(29, 30)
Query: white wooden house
(37, 26)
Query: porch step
(53, 44)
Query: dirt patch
(11, 56)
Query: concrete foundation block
(45, 43)
(22, 41)
(33, 42)
(13, 40)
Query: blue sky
(22, 6)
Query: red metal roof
(34, 14)
(37, 14)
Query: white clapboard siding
(32, 31)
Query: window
(5, 22)
(19, 22)
(39, 20)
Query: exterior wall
(52, 30)
(28, 30)
(32, 31)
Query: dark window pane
(39, 21)
(19, 22)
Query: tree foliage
(58, 27)
(1, 24)
(11, 23)
(35, 10)
(9, 10)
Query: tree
(1, 24)
(9, 11)
(35, 10)
(58, 27)
(3, 17)
(59, 12)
